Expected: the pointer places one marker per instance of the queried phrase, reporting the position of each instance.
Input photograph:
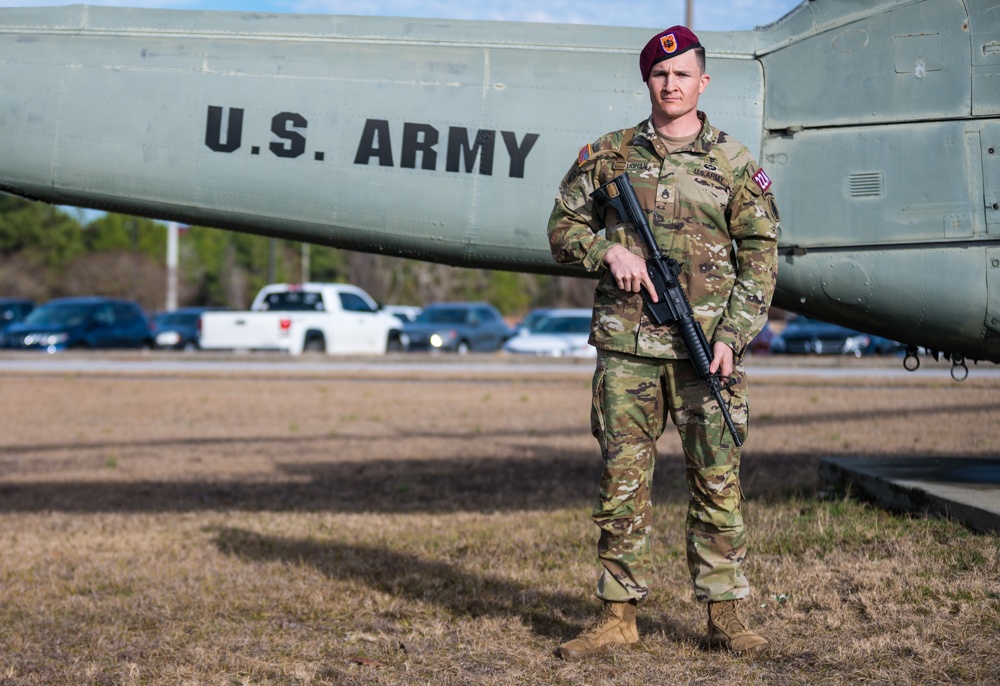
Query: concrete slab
(962, 488)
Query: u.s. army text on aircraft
(878, 122)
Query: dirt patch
(414, 525)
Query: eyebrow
(661, 70)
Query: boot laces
(728, 617)
(605, 616)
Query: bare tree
(116, 274)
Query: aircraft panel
(885, 184)
(853, 287)
(993, 293)
(882, 67)
(29, 115)
(110, 114)
(984, 21)
(990, 153)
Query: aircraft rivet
(995, 263)
(991, 150)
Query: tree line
(48, 252)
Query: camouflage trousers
(632, 396)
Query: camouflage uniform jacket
(706, 210)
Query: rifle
(672, 305)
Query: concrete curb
(963, 488)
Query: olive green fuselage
(445, 141)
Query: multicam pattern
(632, 398)
(708, 213)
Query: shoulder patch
(585, 153)
(762, 180)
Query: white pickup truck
(322, 317)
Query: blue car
(457, 327)
(91, 322)
(804, 336)
(13, 310)
(179, 329)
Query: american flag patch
(762, 180)
(584, 155)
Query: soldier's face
(674, 86)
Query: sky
(709, 15)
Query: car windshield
(63, 314)
(176, 319)
(443, 315)
(533, 319)
(564, 325)
(291, 301)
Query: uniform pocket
(598, 423)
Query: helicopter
(877, 122)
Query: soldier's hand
(722, 359)
(629, 271)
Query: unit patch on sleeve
(585, 153)
(762, 180)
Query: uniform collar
(646, 134)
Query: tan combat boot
(614, 626)
(726, 629)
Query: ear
(705, 78)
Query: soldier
(711, 209)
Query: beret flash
(664, 45)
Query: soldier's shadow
(558, 616)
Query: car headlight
(46, 339)
(855, 345)
(442, 338)
(168, 338)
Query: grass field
(352, 528)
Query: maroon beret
(664, 45)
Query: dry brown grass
(348, 528)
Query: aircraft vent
(866, 185)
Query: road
(162, 362)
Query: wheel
(462, 348)
(314, 344)
(394, 345)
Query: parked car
(561, 333)
(810, 336)
(179, 329)
(91, 322)
(13, 310)
(335, 318)
(404, 313)
(457, 326)
(532, 320)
